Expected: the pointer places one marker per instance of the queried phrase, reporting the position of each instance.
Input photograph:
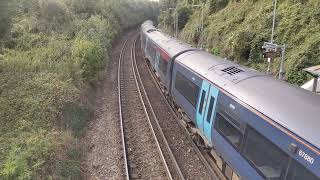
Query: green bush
(27, 157)
(52, 56)
(75, 117)
(238, 29)
(89, 54)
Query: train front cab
(245, 146)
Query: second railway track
(143, 157)
(155, 147)
(189, 159)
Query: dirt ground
(102, 143)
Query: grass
(49, 65)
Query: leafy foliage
(237, 30)
(51, 54)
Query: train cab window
(267, 158)
(203, 95)
(163, 65)
(228, 131)
(187, 88)
(298, 172)
(210, 109)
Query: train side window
(210, 109)
(202, 101)
(163, 65)
(298, 172)
(228, 131)
(153, 52)
(187, 88)
(267, 158)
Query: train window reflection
(226, 129)
(202, 101)
(297, 172)
(163, 65)
(210, 110)
(187, 88)
(266, 157)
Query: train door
(202, 103)
(206, 108)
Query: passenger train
(256, 126)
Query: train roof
(148, 26)
(168, 43)
(292, 107)
(172, 46)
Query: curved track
(143, 157)
(190, 160)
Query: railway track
(192, 162)
(142, 145)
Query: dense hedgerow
(237, 30)
(52, 52)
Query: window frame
(289, 158)
(163, 63)
(226, 118)
(202, 99)
(210, 108)
(293, 165)
(184, 78)
(243, 128)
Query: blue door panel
(210, 112)
(233, 158)
(200, 112)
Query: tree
(184, 14)
(4, 19)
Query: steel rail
(145, 109)
(203, 159)
(125, 153)
(173, 159)
(120, 113)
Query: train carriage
(159, 49)
(248, 119)
(258, 127)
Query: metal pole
(174, 24)
(177, 25)
(281, 72)
(274, 20)
(202, 38)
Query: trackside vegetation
(236, 29)
(52, 53)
